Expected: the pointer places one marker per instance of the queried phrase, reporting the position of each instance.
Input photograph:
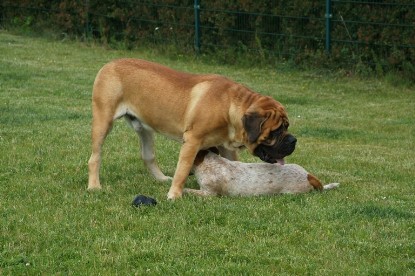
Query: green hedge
(293, 30)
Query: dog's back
(219, 176)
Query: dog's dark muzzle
(276, 153)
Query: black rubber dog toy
(143, 200)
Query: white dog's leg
(198, 192)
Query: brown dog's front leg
(186, 158)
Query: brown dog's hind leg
(147, 148)
(101, 126)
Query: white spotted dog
(218, 176)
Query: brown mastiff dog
(201, 111)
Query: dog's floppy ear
(252, 123)
(202, 153)
(214, 150)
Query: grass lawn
(356, 132)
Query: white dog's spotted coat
(219, 176)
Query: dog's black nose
(291, 140)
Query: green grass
(356, 132)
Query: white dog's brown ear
(200, 157)
(214, 150)
(252, 123)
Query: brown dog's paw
(94, 188)
(174, 194)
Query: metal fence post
(87, 20)
(197, 26)
(328, 17)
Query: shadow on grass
(379, 212)
(374, 212)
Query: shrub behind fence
(377, 34)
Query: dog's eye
(284, 126)
(268, 141)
